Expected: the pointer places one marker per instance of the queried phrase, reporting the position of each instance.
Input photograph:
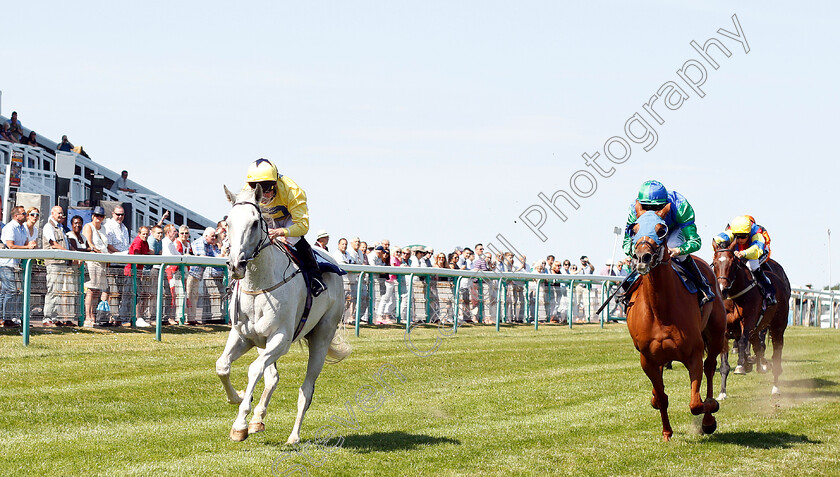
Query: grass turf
(517, 402)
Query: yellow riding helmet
(261, 170)
(740, 225)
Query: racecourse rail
(808, 307)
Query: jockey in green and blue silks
(682, 238)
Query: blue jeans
(8, 289)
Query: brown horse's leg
(659, 399)
(710, 405)
(778, 338)
(694, 364)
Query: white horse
(266, 306)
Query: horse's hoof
(711, 428)
(775, 391)
(761, 368)
(721, 397)
(740, 370)
(255, 427)
(292, 440)
(238, 435)
(666, 436)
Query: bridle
(263, 244)
(265, 241)
(739, 264)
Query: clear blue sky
(440, 122)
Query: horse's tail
(338, 350)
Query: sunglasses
(34, 214)
(741, 236)
(118, 215)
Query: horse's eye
(662, 231)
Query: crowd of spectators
(12, 131)
(477, 298)
(111, 283)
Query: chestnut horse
(747, 318)
(666, 322)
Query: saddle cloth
(689, 284)
(326, 266)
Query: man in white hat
(322, 239)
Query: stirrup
(317, 287)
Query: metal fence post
(498, 303)
(27, 289)
(183, 271)
(537, 305)
(410, 287)
(226, 303)
(358, 311)
(481, 300)
(159, 303)
(457, 294)
(134, 297)
(82, 294)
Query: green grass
(518, 402)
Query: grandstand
(90, 181)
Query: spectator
(203, 247)
(156, 246)
(351, 280)
(15, 127)
(118, 242)
(609, 269)
(31, 140)
(321, 240)
(6, 133)
(76, 240)
(60, 277)
(222, 240)
(403, 284)
(140, 246)
(465, 262)
(213, 282)
(64, 145)
(121, 184)
(31, 224)
(184, 245)
(386, 289)
(358, 249)
(97, 283)
(13, 236)
(583, 291)
(518, 289)
(172, 246)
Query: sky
(441, 123)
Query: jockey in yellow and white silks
(284, 202)
(751, 244)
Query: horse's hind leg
(660, 399)
(271, 379)
(778, 338)
(759, 347)
(742, 343)
(724, 372)
(319, 343)
(234, 349)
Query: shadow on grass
(810, 383)
(393, 441)
(762, 440)
(385, 442)
(165, 330)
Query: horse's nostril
(646, 258)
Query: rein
(264, 242)
(740, 265)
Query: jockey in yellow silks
(284, 203)
(752, 245)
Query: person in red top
(140, 246)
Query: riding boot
(766, 286)
(307, 258)
(699, 279)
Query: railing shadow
(393, 441)
(762, 440)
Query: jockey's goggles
(267, 186)
(741, 236)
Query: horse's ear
(664, 211)
(231, 197)
(639, 210)
(258, 193)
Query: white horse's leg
(276, 346)
(234, 349)
(319, 343)
(271, 379)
